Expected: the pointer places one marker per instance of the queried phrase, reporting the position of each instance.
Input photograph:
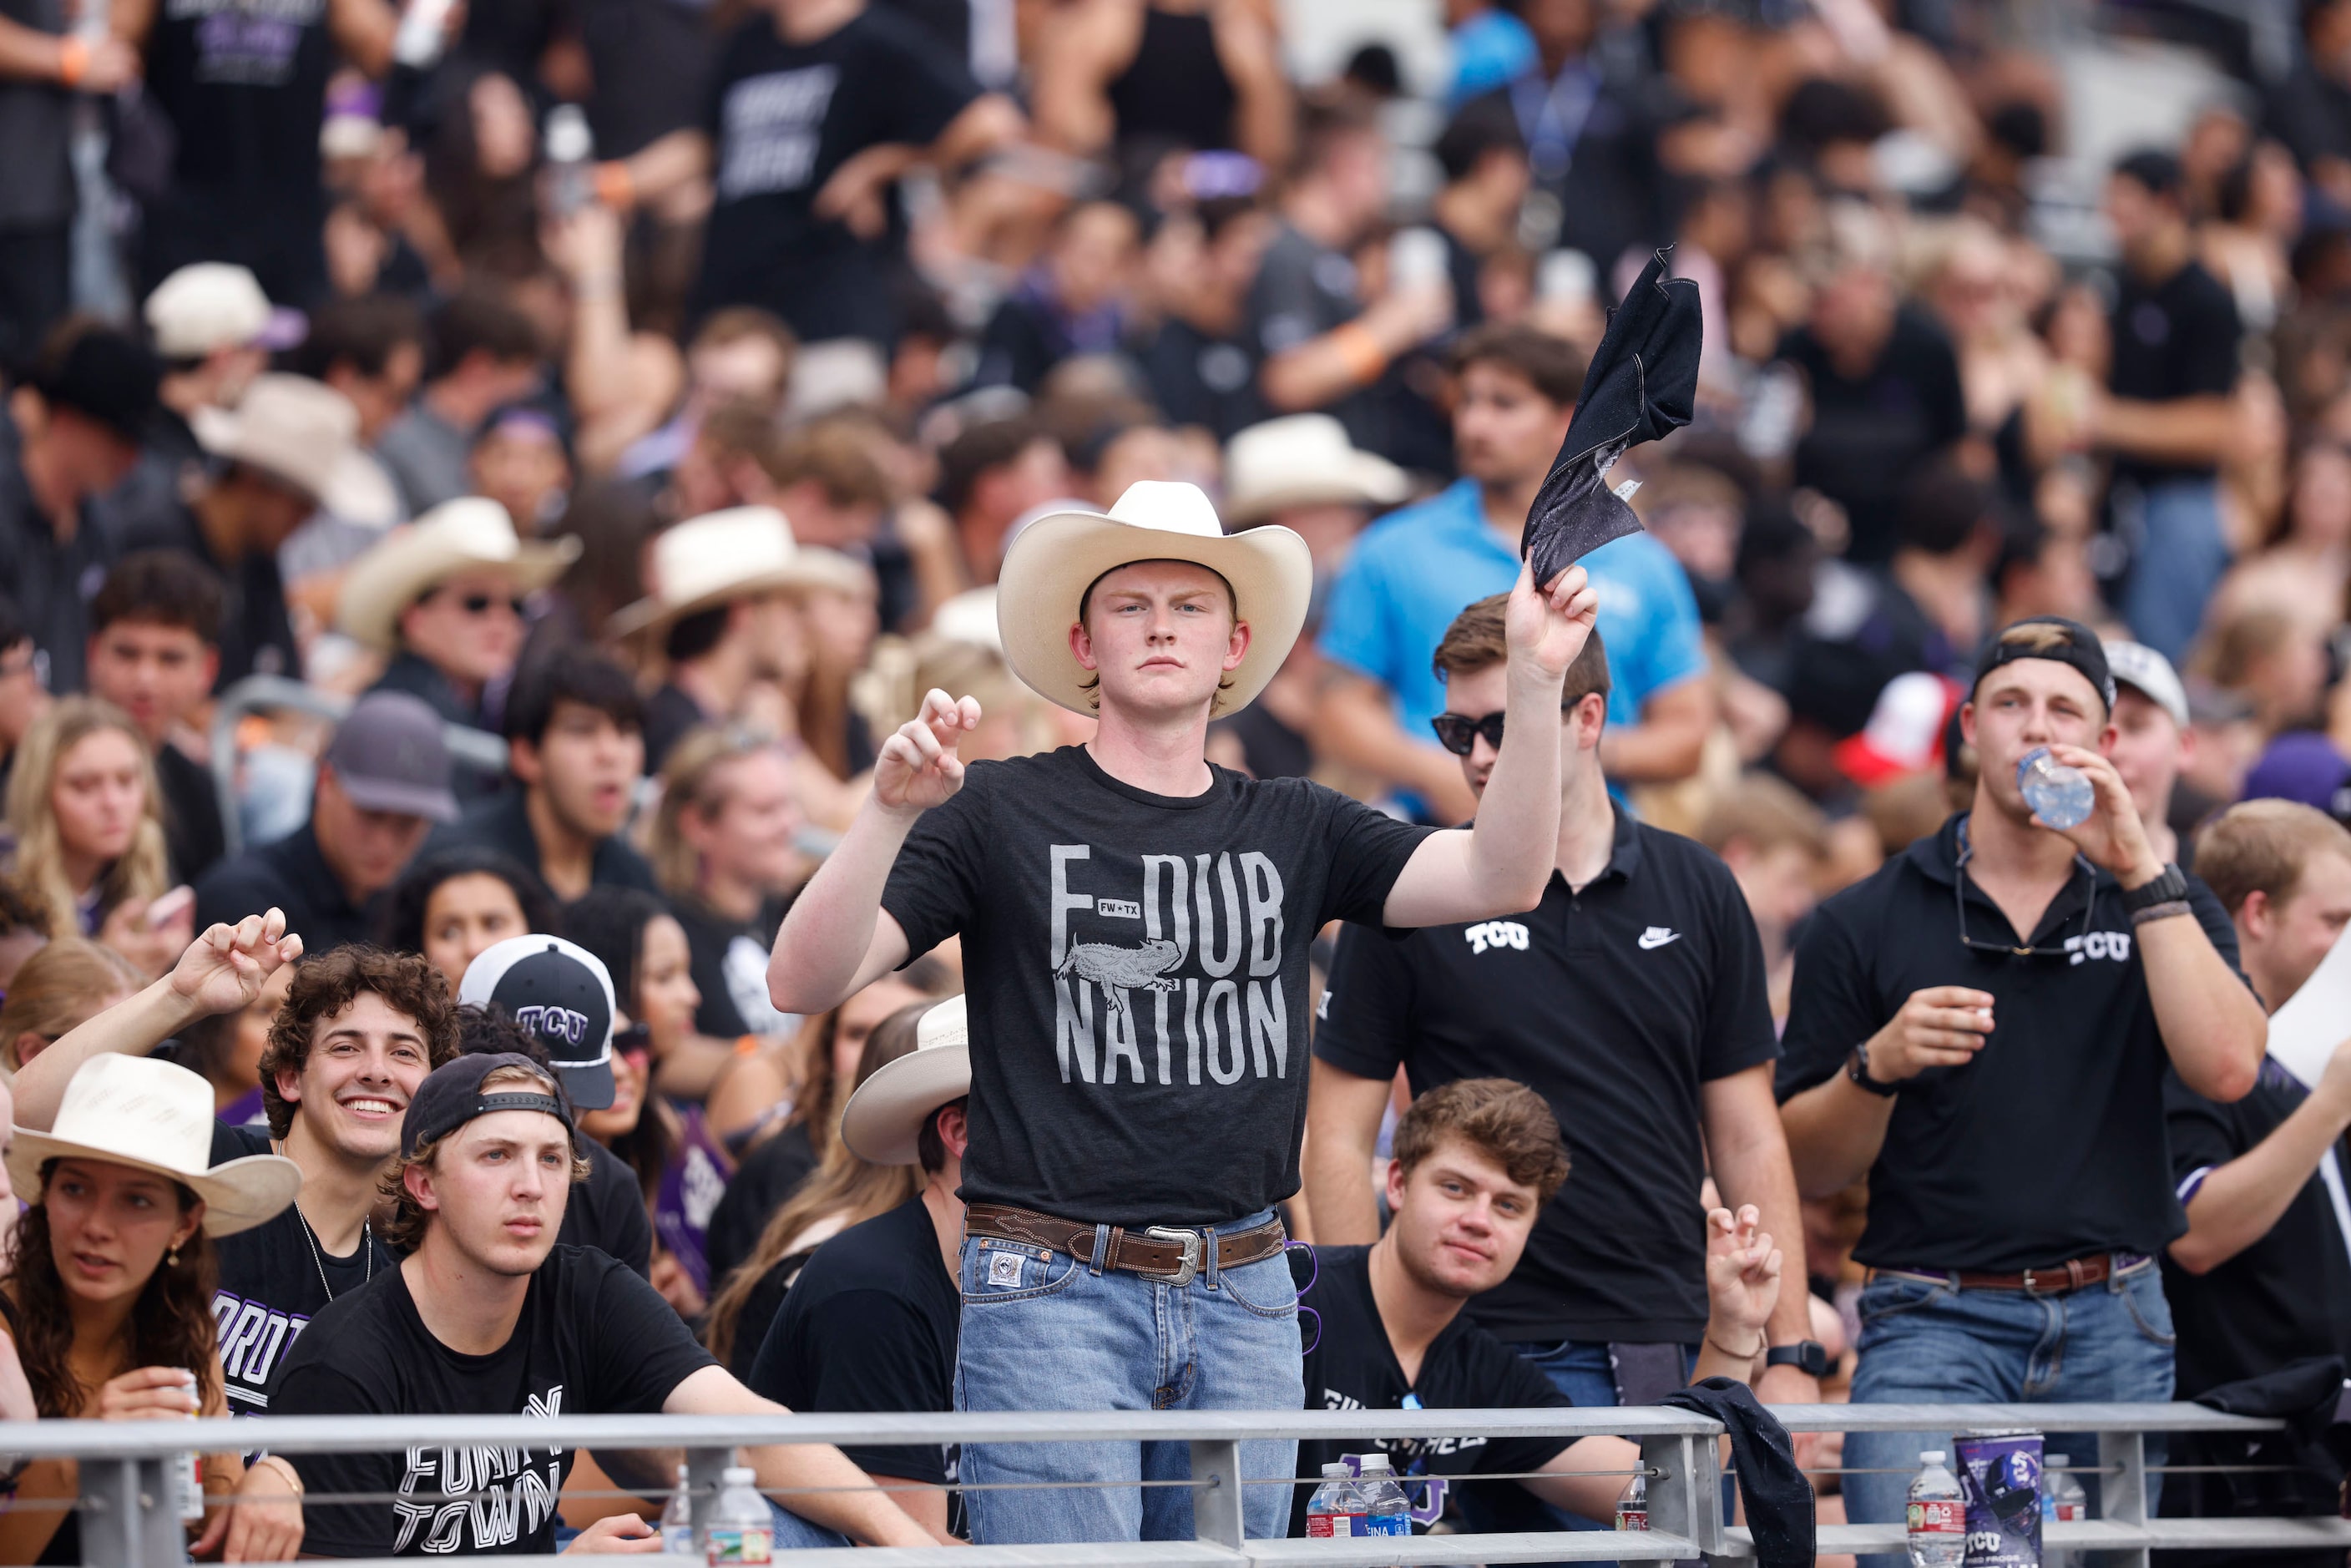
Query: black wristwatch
(1809, 1356)
(1857, 1067)
(2170, 886)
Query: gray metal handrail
(127, 1521)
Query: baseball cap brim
(437, 805)
(589, 1084)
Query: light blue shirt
(1415, 570)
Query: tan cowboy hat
(454, 537)
(1053, 561)
(705, 562)
(303, 432)
(1304, 460)
(884, 1120)
(146, 1113)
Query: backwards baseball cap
(2050, 637)
(103, 375)
(2150, 674)
(452, 1095)
(389, 755)
(561, 994)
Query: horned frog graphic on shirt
(1181, 985)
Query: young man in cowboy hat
(357, 1031)
(489, 1315)
(870, 1321)
(1148, 915)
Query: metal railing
(127, 1518)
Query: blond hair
(63, 985)
(38, 870)
(695, 779)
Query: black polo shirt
(2285, 1297)
(294, 877)
(2176, 339)
(502, 823)
(1614, 1004)
(2050, 1144)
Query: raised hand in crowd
(918, 768)
(223, 970)
(1743, 1266)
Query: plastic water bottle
(678, 1519)
(2059, 796)
(2063, 1501)
(1937, 1515)
(1386, 1510)
(188, 1471)
(741, 1530)
(1336, 1508)
(1632, 1504)
(570, 145)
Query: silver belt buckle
(1189, 1240)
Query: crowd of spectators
(614, 416)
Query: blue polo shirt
(1415, 570)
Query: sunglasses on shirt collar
(1959, 901)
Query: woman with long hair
(60, 987)
(84, 808)
(454, 905)
(846, 1190)
(108, 1303)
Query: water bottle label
(189, 1483)
(2069, 1512)
(741, 1544)
(1387, 1524)
(1631, 1519)
(1336, 1524)
(1938, 1516)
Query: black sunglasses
(1959, 900)
(483, 603)
(1458, 733)
(635, 1038)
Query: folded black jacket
(1779, 1498)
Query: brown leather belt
(1162, 1253)
(2055, 1281)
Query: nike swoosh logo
(1651, 939)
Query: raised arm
(816, 1480)
(221, 971)
(1501, 864)
(837, 936)
(2237, 1203)
(1747, 1149)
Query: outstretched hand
(1742, 1274)
(917, 767)
(224, 969)
(1546, 628)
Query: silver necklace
(367, 1248)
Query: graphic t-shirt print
(247, 43)
(479, 1497)
(773, 125)
(1183, 980)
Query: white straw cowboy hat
(205, 306)
(306, 434)
(884, 1119)
(705, 562)
(454, 537)
(1055, 559)
(1304, 460)
(146, 1113)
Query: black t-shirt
(2050, 1144)
(246, 90)
(192, 836)
(870, 1326)
(648, 59)
(782, 116)
(257, 636)
(36, 178)
(1137, 971)
(669, 713)
(292, 874)
(2286, 1296)
(2176, 339)
(607, 1211)
(1202, 378)
(729, 965)
(1617, 1005)
(1869, 432)
(1352, 1366)
(274, 1279)
(502, 823)
(592, 1339)
(1305, 290)
(766, 1177)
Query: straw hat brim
(1055, 559)
(393, 575)
(1365, 479)
(652, 613)
(884, 1120)
(238, 1193)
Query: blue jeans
(1042, 1330)
(1926, 1341)
(2180, 558)
(792, 1532)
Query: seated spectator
(453, 905)
(479, 356)
(531, 1317)
(2305, 565)
(1072, 301)
(574, 727)
(739, 357)
(79, 413)
(126, 1173)
(868, 1324)
(796, 1138)
(846, 1189)
(154, 652)
(679, 1163)
(445, 597)
(62, 985)
(2275, 662)
(520, 460)
(723, 846)
(85, 812)
(1414, 569)
(1484, 159)
(357, 1032)
(382, 782)
(1476, 1161)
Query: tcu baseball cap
(561, 994)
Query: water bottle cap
(1334, 1472)
(739, 1475)
(1933, 1455)
(2048, 1460)
(1374, 1461)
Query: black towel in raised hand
(1642, 383)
